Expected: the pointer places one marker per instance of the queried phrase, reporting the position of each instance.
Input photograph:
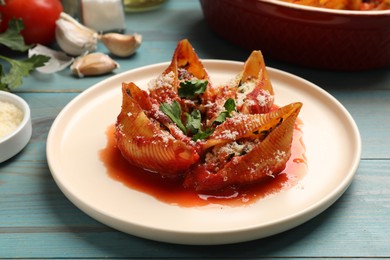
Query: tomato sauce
(172, 192)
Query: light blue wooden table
(38, 221)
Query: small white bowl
(12, 143)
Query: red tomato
(39, 17)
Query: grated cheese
(228, 134)
(280, 156)
(10, 118)
(163, 80)
(244, 90)
(264, 97)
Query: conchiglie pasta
(209, 136)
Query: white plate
(333, 148)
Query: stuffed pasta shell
(211, 136)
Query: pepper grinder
(103, 15)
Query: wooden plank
(372, 119)
(35, 215)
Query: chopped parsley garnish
(173, 111)
(203, 134)
(230, 106)
(193, 125)
(192, 88)
(193, 121)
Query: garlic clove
(73, 37)
(93, 64)
(121, 45)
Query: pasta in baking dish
(211, 136)
(359, 5)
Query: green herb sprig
(230, 106)
(18, 68)
(193, 124)
(173, 111)
(192, 88)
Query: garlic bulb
(121, 45)
(73, 37)
(93, 64)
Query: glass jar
(141, 5)
(103, 15)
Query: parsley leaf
(194, 125)
(19, 69)
(202, 134)
(193, 121)
(230, 106)
(192, 88)
(12, 37)
(173, 111)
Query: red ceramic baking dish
(305, 35)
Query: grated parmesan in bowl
(15, 125)
(10, 118)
